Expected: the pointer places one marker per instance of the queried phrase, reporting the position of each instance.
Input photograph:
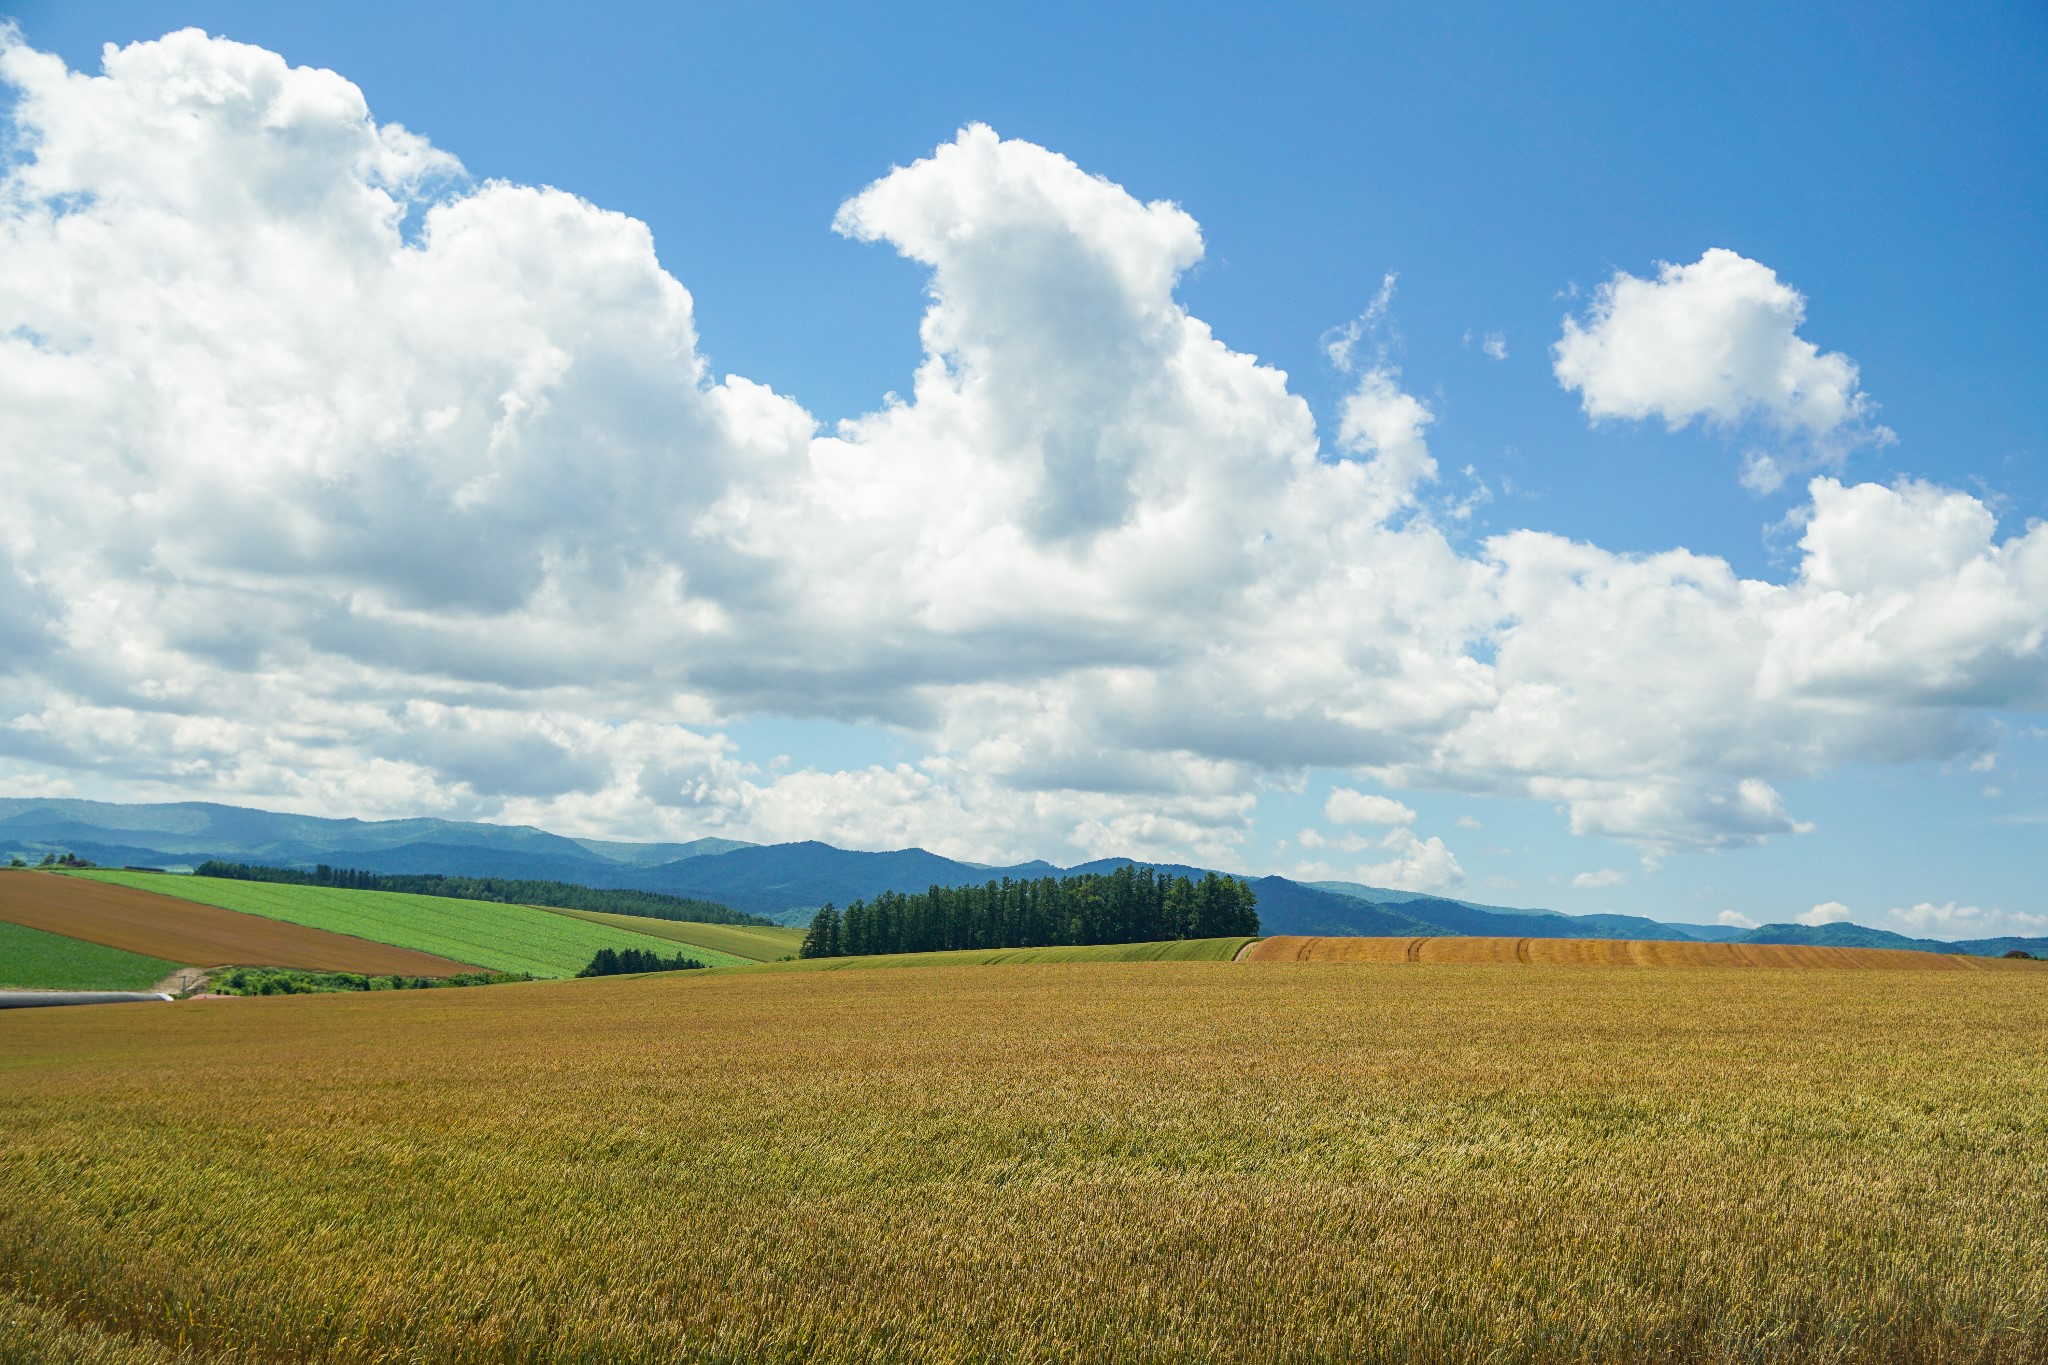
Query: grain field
(1601, 952)
(1163, 1161)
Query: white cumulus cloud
(1599, 880)
(1417, 864)
(339, 481)
(1952, 921)
(1716, 340)
(1347, 807)
(1827, 912)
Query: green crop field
(1177, 950)
(1146, 1162)
(503, 938)
(39, 961)
(719, 945)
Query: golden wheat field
(1607, 952)
(1162, 1161)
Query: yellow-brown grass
(1096, 1162)
(199, 935)
(1600, 952)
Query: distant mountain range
(787, 882)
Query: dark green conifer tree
(822, 938)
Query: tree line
(619, 961)
(1129, 905)
(506, 890)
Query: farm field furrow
(718, 945)
(1107, 1162)
(503, 938)
(183, 932)
(1177, 950)
(37, 960)
(1589, 952)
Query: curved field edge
(1580, 952)
(717, 945)
(35, 959)
(1156, 1162)
(1172, 950)
(503, 938)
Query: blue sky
(1888, 163)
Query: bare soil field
(1594, 952)
(199, 935)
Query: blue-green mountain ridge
(786, 882)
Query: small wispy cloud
(1373, 326)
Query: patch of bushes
(619, 961)
(291, 981)
(2023, 955)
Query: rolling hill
(185, 833)
(502, 938)
(1846, 935)
(123, 911)
(788, 882)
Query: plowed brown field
(1596, 952)
(202, 935)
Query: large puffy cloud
(344, 482)
(1719, 340)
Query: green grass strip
(504, 938)
(1175, 950)
(35, 960)
(729, 944)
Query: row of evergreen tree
(619, 961)
(1129, 905)
(506, 890)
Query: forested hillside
(1130, 905)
